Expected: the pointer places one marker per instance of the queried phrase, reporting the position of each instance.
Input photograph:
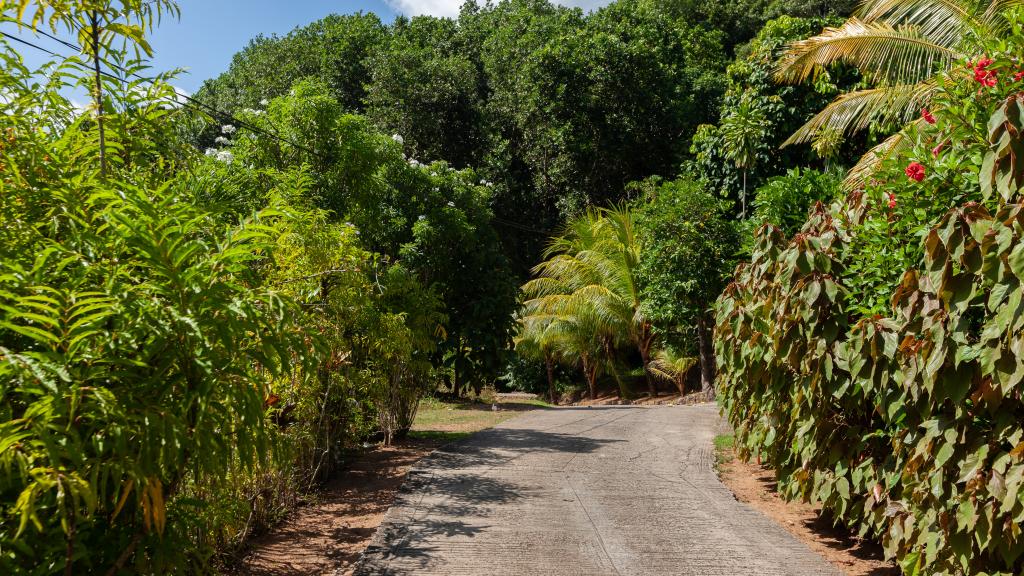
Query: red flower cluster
(892, 199)
(1017, 77)
(928, 116)
(915, 171)
(983, 75)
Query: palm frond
(945, 21)
(670, 366)
(869, 164)
(882, 52)
(994, 17)
(855, 111)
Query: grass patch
(454, 420)
(724, 444)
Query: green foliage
(688, 245)
(901, 48)
(424, 86)
(335, 50)
(189, 342)
(137, 347)
(903, 416)
(757, 115)
(784, 201)
(669, 365)
(433, 220)
(585, 300)
(560, 110)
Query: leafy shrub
(907, 424)
(784, 201)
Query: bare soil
(327, 536)
(330, 534)
(755, 486)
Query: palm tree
(670, 365)
(900, 47)
(588, 283)
(560, 328)
(540, 337)
(744, 129)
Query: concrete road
(616, 491)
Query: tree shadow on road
(450, 495)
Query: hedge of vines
(907, 425)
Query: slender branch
(99, 91)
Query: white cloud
(450, 8)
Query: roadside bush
(784, 201)
(875, 359)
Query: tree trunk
(743, 197)
(645, 356)
(707, 355)
(551, 379)
(591, 375)
(456, 382)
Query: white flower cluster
(487, 183)
(228, 129)
(451, 204)
(398, 138)
(264, 102)
(221, 140)
(220, 155)
(414, 163)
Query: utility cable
(196, 105)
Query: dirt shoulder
(755, 486)
(327, 536)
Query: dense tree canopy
(559, 109)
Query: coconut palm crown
(900, 47)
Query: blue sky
(210, 32)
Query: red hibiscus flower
(892, 200)
(983, 75)
(937, 150)
(928, 116)
(915, 171)
(1017, 77)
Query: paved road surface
(603, 491)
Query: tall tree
(744, 130)
(688, 248)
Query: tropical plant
(900, 48)
(670, 365)
(538, 337)
(784, 201)
(587, 290)
(688, 247)
(743, 130)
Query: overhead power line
(196, 104)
